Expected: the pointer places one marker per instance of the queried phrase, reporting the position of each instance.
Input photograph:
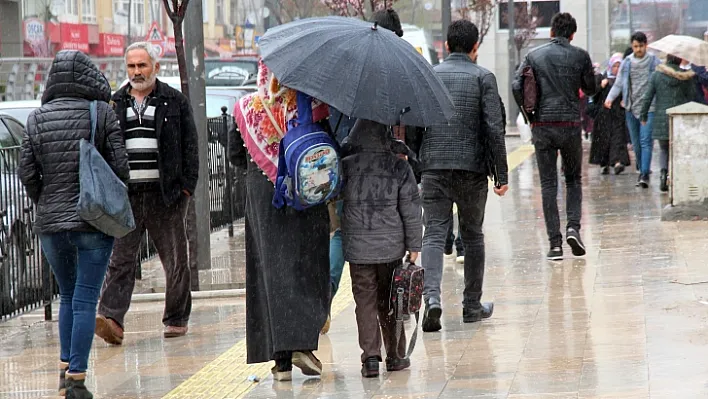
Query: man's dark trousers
(549, 140)
(469, 191)
(166, 227)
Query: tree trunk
(181, 57)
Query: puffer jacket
(382, 214)
(671, 87)
(49, 167)
(561, 71)
(476, 131)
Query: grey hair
(148, 47)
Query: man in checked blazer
(455, 164)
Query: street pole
(446, 21)
(629, 15)
(511, 16)
(128, 39)
(194, 49)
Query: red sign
(74, 37)
(111, 45)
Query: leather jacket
(561, 71)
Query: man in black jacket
(454, 163)
(161, 139)
(561, 71)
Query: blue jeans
(336, 254)
(641, 141)
(79, 261)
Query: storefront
(109, 45)
(45, 39)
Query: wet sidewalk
(629, 320)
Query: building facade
(102, 28)
(593, 34)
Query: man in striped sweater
(161, 139)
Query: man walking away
(454, 168)
(561, 71)
(161, 138)
(633, 82)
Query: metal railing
(227, 190)
(26, 282)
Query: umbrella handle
(403, 112)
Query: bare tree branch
(176, 12)
(481, 12)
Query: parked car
(19, 282)
(230, 72)
(20, 110)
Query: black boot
(370, 368)
(664, 180)
(63, 368)
(471, 314)
(431, 318)
(75, 387)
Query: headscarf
(615, 59)
(261, 137)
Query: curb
(216, 294)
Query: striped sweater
(142, 145)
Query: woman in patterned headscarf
(609, 139)
(287, 251)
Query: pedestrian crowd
(376, 192)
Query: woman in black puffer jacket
(49, 169)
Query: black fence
(224, 208)
(26, 282)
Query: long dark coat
(287, 269)
(609, 136)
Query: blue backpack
(309, 165)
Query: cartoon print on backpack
(309, 164)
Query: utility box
(688, 166)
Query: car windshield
(20, 114)
(215, 102)
(229, 73)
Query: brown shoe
(174, 331)
(109, 330)
(307, 362)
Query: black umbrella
(362, 70)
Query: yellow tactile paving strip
(227, 377)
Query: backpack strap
(304, 109)
(278, 198)
(399, 328)
(270, 116)
(399, 324)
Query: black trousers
(442, 188)
(166, 227)
(549, 141)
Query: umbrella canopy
(689, 48)
(362, 70)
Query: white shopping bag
(524, 129)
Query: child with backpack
(381, 221)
